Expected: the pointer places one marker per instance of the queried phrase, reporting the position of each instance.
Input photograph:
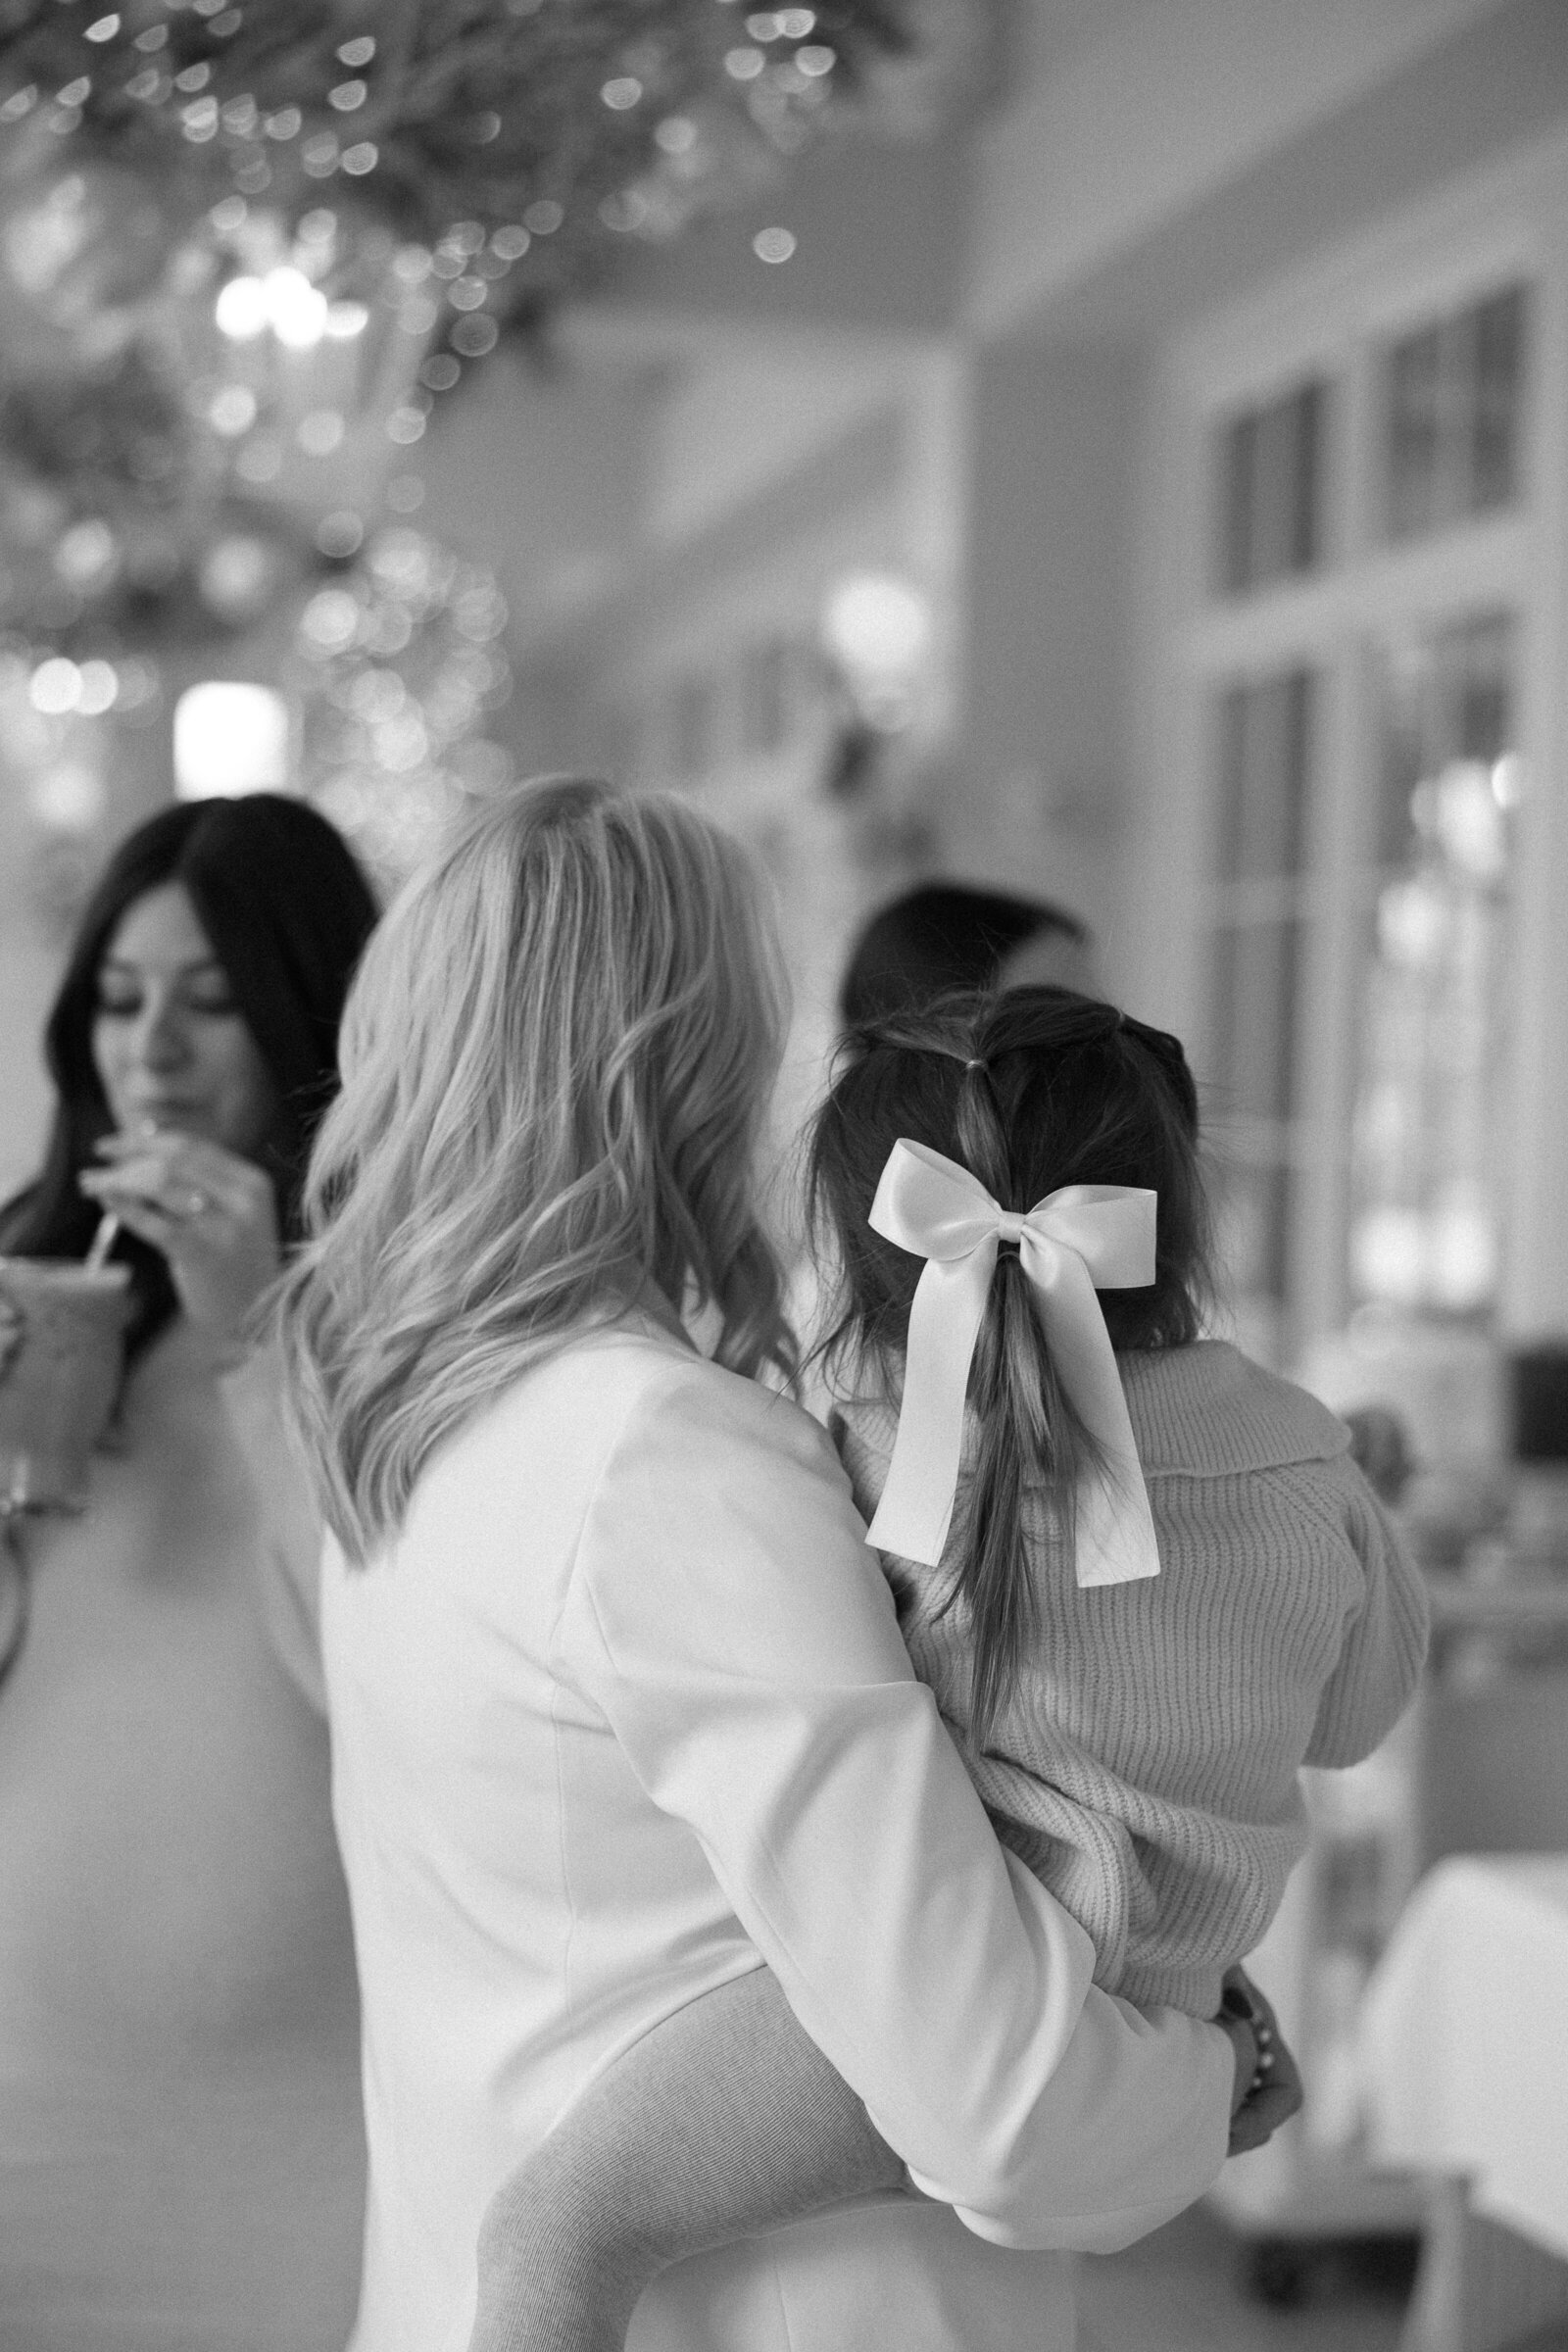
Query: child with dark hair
(1143, 1578)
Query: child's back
(1144, 1763)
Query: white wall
(1041, 753)
(754, 413)
(536, 467)
(1169, 103)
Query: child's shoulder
(1208, 1411)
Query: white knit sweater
(1146, 1767)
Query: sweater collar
(1210, 1411)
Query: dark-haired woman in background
(181, 2158)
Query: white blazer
(623, 1708)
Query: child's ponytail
(1033, 1449)
(1031, 1090)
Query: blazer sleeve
(743, 1648)
(288, 1527)
(1384, 1643)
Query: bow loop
(1077, 1239)
(930, 1205)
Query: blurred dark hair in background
(942, 936)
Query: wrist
(1240, 2009)
(1240, 2033)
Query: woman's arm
(744, 1647)
(213, 1216)
(723, 2121)
(288, 1527)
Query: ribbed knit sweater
(1146, 1768)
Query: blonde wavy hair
(556, 1058)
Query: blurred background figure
(180, 2142)
(944, 935)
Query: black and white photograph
(783, 1176)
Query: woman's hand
(212, 1214)
(1272, 2092)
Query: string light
(483, 183)
(395, 672)
(242, 308)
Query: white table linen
(1466, 2038)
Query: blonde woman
(620, 1706)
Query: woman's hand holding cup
(212, 1214)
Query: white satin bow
(1082, 1238)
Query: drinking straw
(103, 1240)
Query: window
(1270, 493)
(1354, 742)
(1263, 756)
(1430, 1117)
(1453, 395)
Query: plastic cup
(62, 1355)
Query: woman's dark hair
(1030, 1089)
(286, 912)
(939, 937)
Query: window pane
(1255, 1215)
(1455, 398)
(1500, 386)
(1269, 490)
(1263, 778)
(1415, 434)
(1260, 972)
(1236, 504)
(1429, 1140)
(1263, 753)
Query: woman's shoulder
(632, 1384)
(676, 1395)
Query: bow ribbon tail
(1115, 1541)
(915, 1509)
